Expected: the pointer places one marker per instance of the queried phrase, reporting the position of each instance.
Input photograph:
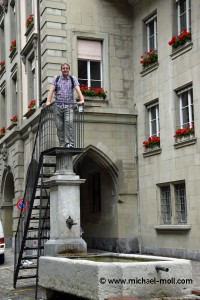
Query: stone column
(65, 210)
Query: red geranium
(29, 20)
(13, 45)
(152, 141)
(3, 130)
(89, 91)
(2, 63)
(180, 132)
(149, 58)
(181, 39)
(14, 118)
(32, 104)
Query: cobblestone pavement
(26, 291)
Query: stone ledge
(182, 49)
(173, 227)
(185, 143)
(149, 69)
(152, 152)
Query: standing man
(63, 108)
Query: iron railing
(45, 147)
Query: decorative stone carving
(4, 153)
(4, 5)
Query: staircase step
(27, 257)
(37, 218)
(36, 238)
(42, 207)
(45, 175)
(49, 165)
(36, 228)
(27, 276)
(41, 197)
(33, 248)
(28, 267)
(44, 186)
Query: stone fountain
(67, 268)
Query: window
(181, 203)
(13, 22)
(31, 78)
(166, 204)
(2, 39)
(153, 112)
(173, 203)
(184, 15)
(14, 95)
(3, 113)
(186, 107)
(151, 33)
(90, 63)
(30, 7)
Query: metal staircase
(34, 221)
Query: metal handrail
(45, 140)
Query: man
(63, 108)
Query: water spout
(160, 268)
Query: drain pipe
(160, 268)
(39, 53)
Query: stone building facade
(128, 202)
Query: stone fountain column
(65, 235)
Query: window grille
(181, 210)
(166, 204)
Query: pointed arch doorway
(98, 199)
(8, 194)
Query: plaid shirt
(64, 92)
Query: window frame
(103, 38)
(153, 19)
(150, 121)
(177, 212)
(89, 79)
(188, 15)
(190, 106)
(166, 211)
(181, 214)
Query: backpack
(58, 77)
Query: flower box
(13, 45)
(12, 125)
(2, 64)
(149, 58)
(184, 134)
(29, 21)
(2, 70)
(2, 135)
(29, 113)
(152, 143)
(29, 30)
(88, 91)
(181, 39)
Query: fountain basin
(97, 278)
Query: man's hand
(47, 103)
(80, 102)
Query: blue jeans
(64, 124)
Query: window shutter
(90, 50)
